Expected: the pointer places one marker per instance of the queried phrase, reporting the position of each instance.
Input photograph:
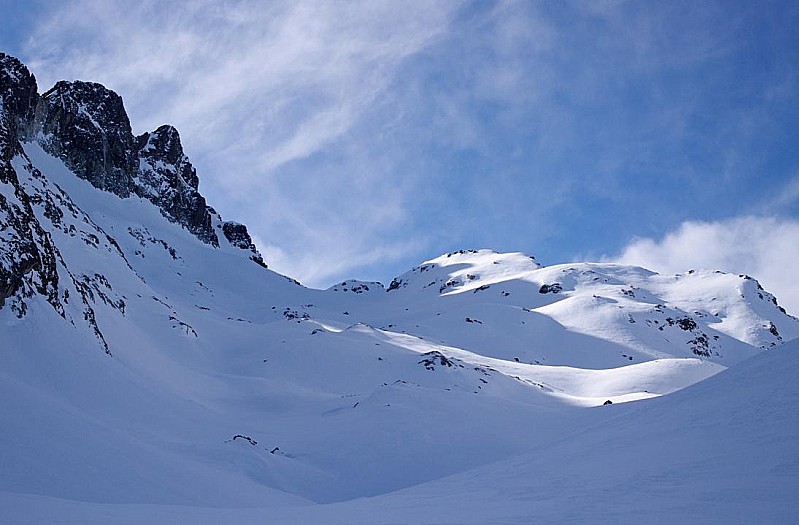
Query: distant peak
(465, 270)
(482, 256)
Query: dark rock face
(435, 358)
(19, 95)
(238, 236)
(85, 125)
(27, 256)
(395, 285)
(168, 180)
(26, 249)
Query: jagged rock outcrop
(238, 236)
(167, 179)
(19, 94)
(358, 287)
(28, 255)
(30, 209)
(85, 125)
(27, 250)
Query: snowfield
(722, 451)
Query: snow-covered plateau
(154, 370)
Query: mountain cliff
(86, 126)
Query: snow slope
(231, 386)
(722, 451)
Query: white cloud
(766, 248)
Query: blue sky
(358, 139)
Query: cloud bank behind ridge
(763, 247)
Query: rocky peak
(167, 179)
(164, 145)
(85, 124)
(18, 95)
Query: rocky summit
(85, 125)
(167, 179)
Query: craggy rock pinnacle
(27, 249)
(168, 180)
(85, 125)
(19, 95)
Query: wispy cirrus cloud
(290, 76)
(358, 138)
(254, 87)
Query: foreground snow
(722, 451)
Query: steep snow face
(736, 305)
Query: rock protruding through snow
(167, 178)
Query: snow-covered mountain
(153, 369)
